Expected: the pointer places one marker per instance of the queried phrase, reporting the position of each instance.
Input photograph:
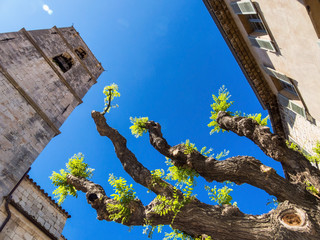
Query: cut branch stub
(293, 218)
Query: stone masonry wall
(38, 206)
(23, 135)
(20, 228)
(303, 132)
(27, 58)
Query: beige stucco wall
(298, 57)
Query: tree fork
(295, 219)
(297, 167)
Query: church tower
(44, 74)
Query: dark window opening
(81, 52)
(6, 39)
(288, 87)
(64, 61)
(64, 110)
(256, 23)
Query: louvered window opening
(285, 102)
(262, 43)
(246, 7)
(283, 80)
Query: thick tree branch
(131, 165)
(197, 218)
(99, 201)
(274, 146)
(240, 169)
(288, 221)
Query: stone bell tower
(44, 74)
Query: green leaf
(110, 92)
(75, 167)
(124, 194)
(220, 195)
(138, 126)
(220, 103)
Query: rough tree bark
(296, 217)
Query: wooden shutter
(243, 7)
(277, 74)
(262, 43)
(285, 102)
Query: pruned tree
(297, 215)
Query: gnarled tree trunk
(296, 217)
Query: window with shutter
(297, 109)
(253, 23)
(285, 102)
(243, 7)
(262, 43)
(277, 74)
(284, 81)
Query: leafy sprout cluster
(110, 92)
(124, 194)
(75, 167)
(218, 156)
(138, 126)
(185, 180)
(312, 158)
(189, 147)
(221, 195)
(176, 234)
(257, 117)
(222, 103)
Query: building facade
(44, 74)
(30, 214)
(277, 46)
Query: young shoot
(110, 92)
(221, 195)
(222, 103)
(75, 167)
(124, 194)
(138, 127)
(189, 147)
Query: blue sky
(167, 57)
